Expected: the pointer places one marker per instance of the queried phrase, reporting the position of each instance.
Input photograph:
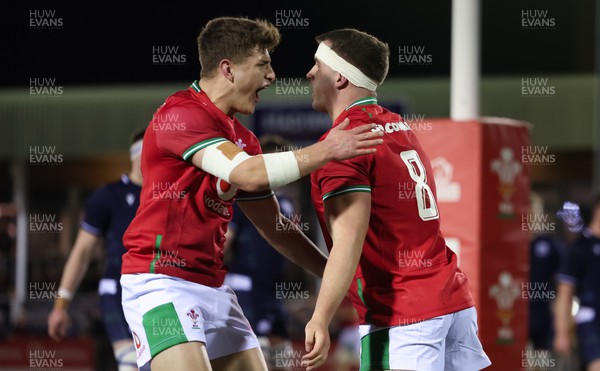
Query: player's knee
(126, 357)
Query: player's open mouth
(256, 97)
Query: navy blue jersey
(581, 268)
(108, 213)
(252, 253)
(546, 254)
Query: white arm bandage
(221, 158)
(282, 168)
(65, 294)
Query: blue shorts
(112, 310)
(588, 335)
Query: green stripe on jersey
(198, 146)
(163, 328)
(368, 100)
(156, 252)
(196, 86)
(375, 351)
(360, 291)
(255, 198)
(361, 294)
(356, 188)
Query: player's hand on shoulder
(343, 144)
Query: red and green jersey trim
(187, 154)
(344, 190)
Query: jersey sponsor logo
(136, 340)
(138, 345)
(216, 206)
(391, 127)
(225, 190)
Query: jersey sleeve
(98, 212)
(182, 131)
(340, 177)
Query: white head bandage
(339, 64)
(135, 150)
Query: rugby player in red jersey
(197, 159)
(386, 251)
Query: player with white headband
(197, 160)
(386, 249)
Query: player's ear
(225, 69)
(340, 81)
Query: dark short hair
(364, 51)
(137, 135)
(233, 38)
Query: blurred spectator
(546, 252)
(579, 275)
(7, 264)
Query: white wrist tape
(65, 294)
(221, 158)
(345, 68)
(282, 168)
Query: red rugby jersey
(406, 272)
(179, 228)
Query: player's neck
(218, 92)
(345, 98)
(135, 177)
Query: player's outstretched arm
(563, 318)
(74, 271)
(347, 218)
(284, 235)
(274, 170)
